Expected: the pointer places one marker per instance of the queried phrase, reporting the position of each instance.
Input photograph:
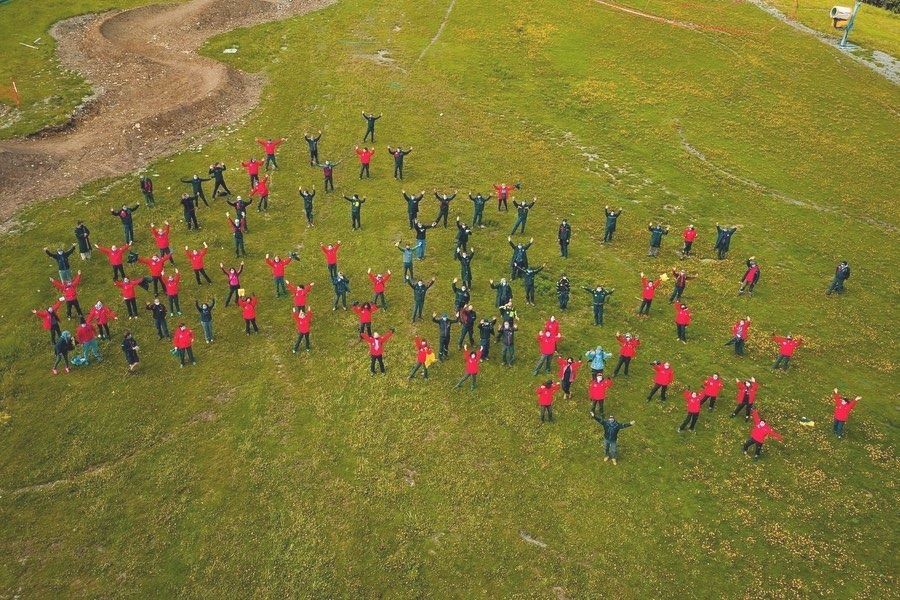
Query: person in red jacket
(597, 393)
(183, 341)
(365, 316)
(627, 351)
(115, 258)
(503, 191)
(758, 434)
(376, 349)
(661, 381)
(70, 294)
(331, 251)
(739, 334)
(842, 408)
(162, 240)
(378, 285)
(746, 397)
(302, 317)
(711, 389)
(473, 359)
(261, 189)
(365, 157)
(196, 257)
(568, 370)
(170, 282)
(545, 398)
(680, 279)
(787, 345)
(248, 307)
(424, 355)
(50, 320)
(552, 325)
(300, 292)
(269, 146)
(649, 291)
(690, 234)
(87, 337)
(682, 320)
(692, 401)
(252, 166)
(750, 278)
(156, 264)
(278, 264)
(547, 343)
(101, 314)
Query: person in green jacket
(507, 337)
(308, 204)
(478, 216)
(598, 358)
(355, 210)
(562, 291)
(485, 333)
(444, 324)
(341, 287)
(408, 253)
(656, 234)
(528, 275)
(599, 295)
(611, 429)
(465, 265)
(419, 289)
(461, 295)
(522, 209)
(504, 292)
(519, 256)
(611, 218)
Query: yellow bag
(240, 292)
(430, 358)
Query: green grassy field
(261, 473)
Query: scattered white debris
(229, 51)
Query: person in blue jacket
(723, 240)
(598, 358)
(611, 429)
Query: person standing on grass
(545, 398)
(376, 349)
(158, 310)
(522, 210)
(841, 274)
(127, 286)
(786, 347)
(547, 342)
(171, 283)
(690, 234)
(379, 281)
(365, 316)
(842, 408)
(682, 320)
(656, 234)
(115, 256)
(649, 291)
(568, 370)
(599, 296)
(50, 320)
(62, 262)
(125, 215)
(313, 147)
(750, 278)
(355, 210)
(161, 235)
(300, 292)
(551, 325)
(598, 357)
(485, 333)
(473, 359)
(189, 206)
(564, 236)
(723, 241)
(421, 241)
(739, 334)
(661, 381)
(196, 182)
(460, 295)
(443, 206)
(711, 389)
(424, 356)
(627, 350)
(308, 196)
(261, 189)
(692, 402)
(370, 125)
(563, 287)
(101, 314)
(277, 265)
(597, 393)
(758, 434)
(465, 265)
(519, 256)
(205, 311)
(503, 191)
(398, 153)
(444, 324)
(462, 237)
(365, 158)
(183, 342)
(528, 275)
(146, 186)
(467, 317)
(238, 226)
(341, 286)
(612, 217)
(234, 281)
(156, 264)
(412, 207)
(197, 262)
(611, 429)
(507, 337)
(419, 289)
(328, 173)
(240, 210)
(746, 397)
(217, 173)
(248, 311)
(270, 146)
(331, 251)
(478, 215)
(83, 239)
(408, 252)
(303, 319)
(681, 278)
(61, 349)
(130, 348)
(69, 290)
(252, 166)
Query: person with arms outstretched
(612, 217)
(842, 408)
(313, 147)
(308, 196)
(196, 183)
(398, 153)
(758, 434)
(269, 146)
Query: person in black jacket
(485, 333)
(519, 256)
(125, 215)
(370, 125)
(313, 147)
(196, 183)
(444, 324)
(130, 348)
(465, 265)
(217, 172)
(412, 207)
(420, 237)
(355, 210)
(146, 186)
(190, 211)
(419, 290)
(443, 206)
(62, 262)
(599, 296)
(841, 274)
(63, 346)
(240, 209)
(398, 155)
(205, 311)
(83, 239)
(656, 234)
(528, 275)
(611, 218)
(562, 291)
(467, 318)
(522, 209)
(308, 204)
(611, 429)
(159, 318)
(507, 337)
(563, 235)
(723, 240)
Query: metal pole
(843, 42)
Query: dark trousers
(417, 310)
(190, 217)
(564, 249)
(355, 221)
(220, 183)
(313, 157)
(128, 228)
(254, 180)
(676, 294)
(232, 291)
(70, 304)
(332, 271)
(682, 332)
(508, 355)
(263, 204)
(369, 131)
(595, 404)
(365, 328)
(380, 362)
(340, 298)
(131, 305)
(190, 354)
(839, 427)
(309, 214)
(474, 377)
(248, 323)
(442, 214)
(712, 401)
(364, 168)
(202, 196)
(478, 217)
(545, 360)
(782, 360)
(690, 418)
(738, 344)
(329, 183)
(598, 314)
(623, 360)
(519, 221)
(564, 300)
(301, 337)
(239, 250)
(644, 308)
(485, 344)
(118, 270)
(408, 270)
(416, 368)
(54, 332)
(751, 442)
(270, 159)
(722, 253)
(687, 248)
(398, 171)
(375, 300)
(174, 305)
(608, 235)
(743, 405)
(198, 273)
(443, 347)
(529, 294)
(746, 286)
(658, 386)
(547, 410)
(462, 336)
(157, 281)
(162, 329)
(501, 202)
(837, 285)
(103, 330)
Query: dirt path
(151, 91)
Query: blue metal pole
(847, 29)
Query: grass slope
(263, 473)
